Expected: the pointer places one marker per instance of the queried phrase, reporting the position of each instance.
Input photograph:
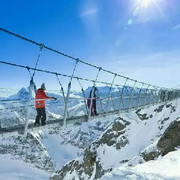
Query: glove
(54, 98)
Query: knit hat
(43, 86)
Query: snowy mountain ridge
(13, 108)
(122, 145)
(103, 148)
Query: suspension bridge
(121, 97)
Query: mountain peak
(22, 94)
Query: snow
(168, 166)
(143, 135)
(2, 107)
(11, 169)
(140, 135)
(69, 143)
(60, 153)
(74, 174)
(165, 168)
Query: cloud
(158, 69)
(89, 12)
(177, 27)
(90, 17)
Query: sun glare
(145, 3)
(145, 10)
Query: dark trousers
(93, 109)
(41, 115)
(94, 105)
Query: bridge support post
(66, 104)
(121, 104)
(68, 93)
(150, 96)
(84, 97)
(113, 104)
(109, 93)
(154, 95)
(139, 95)
(30, 88)
(145, 95)
(167, 96)
(62, 90)
(101, 104)
(132, 94)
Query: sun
(146, 3)
(145, 10)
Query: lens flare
(143, 11)
(146, 3)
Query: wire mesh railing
(120, 93)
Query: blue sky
(136, 38)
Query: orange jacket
(40, 98)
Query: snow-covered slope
(112, 144)
(11, 169)
(69, 143)
(49, 150)
(165, 168)
(29, 149)
(122, 143)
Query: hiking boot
(95, 113)
(43, 124)
(36, 124)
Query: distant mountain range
(13, 108)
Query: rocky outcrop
(169, 105)
(168, 142)
(170, 139)
(29, 149)
(150, 155)
(111, 135)
(90, 165)
(143, 116)
(82, 136)
(159, 109)
(84, 169)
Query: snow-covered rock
(122, 144)
(164, 168)
(29, 149)
(95, 148)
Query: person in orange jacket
(40, 105)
